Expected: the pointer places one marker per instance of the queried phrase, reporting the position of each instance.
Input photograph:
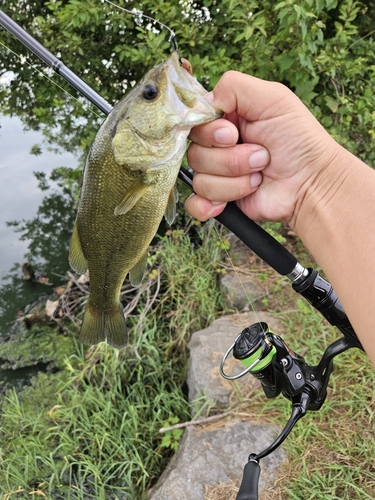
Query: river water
(43, 213)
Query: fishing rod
(306, 282)
(265, 355)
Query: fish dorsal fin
(134, 193)
(170, 211)
(137, 272)
(77, 260)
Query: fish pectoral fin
(137, 272)
(77, 260)
(170, 211)
(135, 192)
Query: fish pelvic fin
(77, 260)
(171, 212)
(134, 193)
(103, 324)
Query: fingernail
(216, 203)
(259, 158)
(209, 97)
(223, 136)
(256, 179)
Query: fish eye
(150, 91)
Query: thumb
(250, 97)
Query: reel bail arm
(268, 358)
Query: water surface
(45, 217)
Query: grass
(91, 430)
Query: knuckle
(195, 209)
(193, 155)
(236, 163)
(199, 184)
(243, 186)
(228, 77)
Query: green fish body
(128, 185)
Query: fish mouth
(190, 95)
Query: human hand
(266, 153)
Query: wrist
(336, 223)
(322, 197)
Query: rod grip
(257, 239)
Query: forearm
(340, 233)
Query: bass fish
(128, 185)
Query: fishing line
(41, 73)
(136, 12)
(248, 298)
(172, 40)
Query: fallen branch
(200, 421)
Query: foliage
(192, 297)
(322, 49)
(91, 430)
(171, 438)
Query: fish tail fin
(103, 324)
(116, 332)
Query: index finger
(219, 133)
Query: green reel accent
(262, 363)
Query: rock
(211, 457)
(240, 254)
(216, 454)
(207, 348)
(240, 290)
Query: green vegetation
(323, 49)
(90, 430)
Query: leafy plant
(322, 49)
(171, 438)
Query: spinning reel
(264, 355)
(268, 358)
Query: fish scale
(128, 185)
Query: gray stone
(207, 348)
(240, 291)
(209, 456)
(215, 454)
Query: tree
(322, 49)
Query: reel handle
(249, 486)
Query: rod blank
(53, 62)
(261, 242)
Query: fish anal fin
(137, 272)
(134, 193)
(170, 211)
(77, 260)
(104, 324)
